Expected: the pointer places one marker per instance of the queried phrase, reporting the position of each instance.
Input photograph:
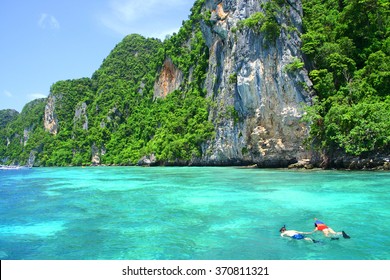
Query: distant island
(273, 83)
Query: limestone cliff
(169, 80)
(81, 116)
(50, 119)
(257, 97)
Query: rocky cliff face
(81, 116)
(50, 119)
(257, 97)
(169, 80)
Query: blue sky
(44, 41)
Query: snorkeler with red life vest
(327, 231)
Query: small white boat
(10, 167)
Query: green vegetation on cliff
(7, 116)
(113, 117)
(266, 21)
(348, 45)
(22, 135)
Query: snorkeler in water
(327, 231)
(294, 234)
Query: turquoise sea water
(201, 213)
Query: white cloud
(7, 93)
(48, 22)
(34, 96)
(147, 17)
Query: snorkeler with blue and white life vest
(327, 231)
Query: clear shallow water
(188, 213)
